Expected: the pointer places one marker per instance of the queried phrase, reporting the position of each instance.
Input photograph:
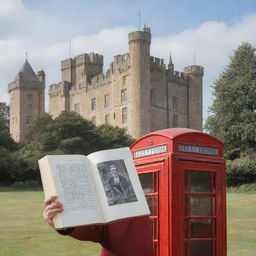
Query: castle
(138, 92)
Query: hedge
(241, 171)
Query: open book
(99, 188)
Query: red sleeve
(86, 233)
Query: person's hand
(51, 209)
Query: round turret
(140, 36)
(195, 96)
(139, 52)
(194, 71)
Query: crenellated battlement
(67, 64)
(83, 59)
(61, 88)
(99, 80)
(121, 59)
(179, 75)
(89, 59)
(176, 77)
(157, 63)
(140, 36)
(120, 64)
(194, 70)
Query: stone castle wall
(156, 96)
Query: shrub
(241, 171)
(245, 188)
(27, 185)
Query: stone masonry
(138, 91)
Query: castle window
(123, 95)
(93, 104)
(124, 80)
(124, 115)
(29, 119)
(175, 120)
(94, 120)
(77, 108)
(106, 100)
(152, 96)
(107, 119)
(29, 96)
(174, 102)
(29, 106)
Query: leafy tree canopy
(233, 112)
(5, 139)
(69, 133)
(4, 111)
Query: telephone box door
(203, 203)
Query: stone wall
(157, 96)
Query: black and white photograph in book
(116, 182)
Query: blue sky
(207, 29)
(163, 16)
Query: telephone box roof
(173, 133)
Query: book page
(118, 184)
(75, 189)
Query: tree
(233, 118)
(5, 139)
(7, 146)
(4, 111)
(69, 133)
(113, 137)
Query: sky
(201, 32)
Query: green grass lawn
(241, 224)
(24, 233)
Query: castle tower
(27, 100)
(88, 66)
(139, 51)
(81, 68)
(195, 96)
(68, 72)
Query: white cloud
(10, 7)
(212, 42)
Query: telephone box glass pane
(200, 181)
(202, 248)
(146, 181)
(186, 182)
(202, 228)
(202, 205)
(152, 204)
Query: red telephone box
(182, 172)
